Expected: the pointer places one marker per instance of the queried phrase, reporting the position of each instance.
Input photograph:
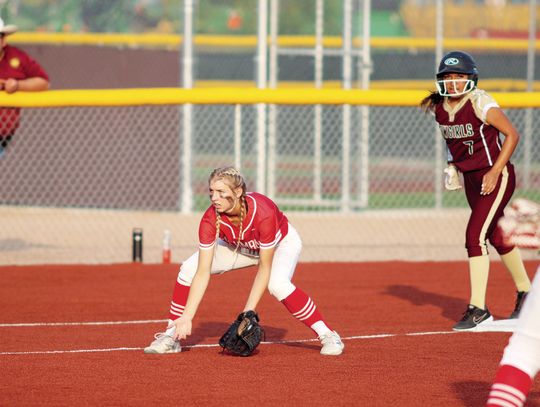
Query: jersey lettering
(457, 131)
(472, 143)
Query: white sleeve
(482, 102)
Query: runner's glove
(451, 181)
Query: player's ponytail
(431, 100)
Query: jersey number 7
(470, 146)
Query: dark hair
(431, 100)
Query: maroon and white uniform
(264, 226)
(16, 64)
(472, 143)
(473, 147)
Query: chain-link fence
(131, 157)
(120, 167)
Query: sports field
(72, 335)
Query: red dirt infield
(72, 335)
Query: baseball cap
(7, 29)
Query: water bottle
(166, 253)
(137, 243)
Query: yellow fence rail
(250, 41)
(223, 96)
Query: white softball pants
(523, 349)
(284, 263)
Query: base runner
(471, 122)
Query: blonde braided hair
(233, 179)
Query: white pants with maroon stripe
(283, 266)
(523, 350)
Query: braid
(231, 176)
(218, 219)
(234, 179)
(242, 215)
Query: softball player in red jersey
(242, 229)
(470, 121)
(521, 359)
(18, 71)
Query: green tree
(107, 16)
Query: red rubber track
(358, 299)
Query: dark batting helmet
(457, 62)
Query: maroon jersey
(264, 226)
(472, 143)
(16, 64)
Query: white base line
(496, 326)
(147, 321)
(349, 338)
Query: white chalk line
(155, 321)
(348, 338)
(33, 324)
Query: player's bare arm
(496, 117)
(261, 279)
(196, 293)
(12, 85)
(28, 85)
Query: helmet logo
(451, 61)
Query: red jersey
(472, 143)
(264, 226)
(16, 64)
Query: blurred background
(165, 16)
(230, 60)
(88, 175)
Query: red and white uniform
(523, 350)
(16, 64)
(521, 360)
(264, 226)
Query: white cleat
(331, 344)
(163, 344)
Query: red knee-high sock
(303, 308)
(510, 387)
(179, 300)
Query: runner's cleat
(473, 317)
(521, 295)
